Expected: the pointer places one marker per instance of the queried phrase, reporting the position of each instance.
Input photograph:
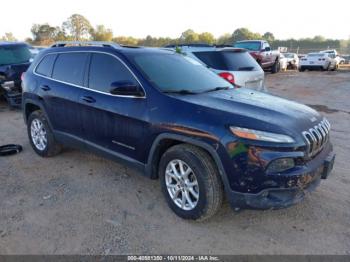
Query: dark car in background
(15, 59)
(260, 49)
(173, 119)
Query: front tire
(40, 135)
(190, 182)
(276, 67)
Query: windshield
(175, 73)
(252, 46)
(14, 54)
(228, 60)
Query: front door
(111, 122)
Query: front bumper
(296, 184)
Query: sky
(139, 18)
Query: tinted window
(14, 54)
(45, 66)
(229, 61)
(172, 72)
(70, 67)
(252, 46)
(106, 69)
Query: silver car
(235, 65)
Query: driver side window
(105, 70)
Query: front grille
(316, 137)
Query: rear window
(45, 66)
(252, 46)
(70, 67)
(227, 60)
(14, 54)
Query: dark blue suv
(173, 119)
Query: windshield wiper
(181, 92)
(217, 89)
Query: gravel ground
(78, 203)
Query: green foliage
(244, 34)
(78, 26)
(100, 33)
(44, 34)
(8, 37)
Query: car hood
(252, 109)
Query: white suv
(235, 65)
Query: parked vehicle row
(175, 120)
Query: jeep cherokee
(173, 119)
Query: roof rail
(85, 43)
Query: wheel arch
(167, 140)
(30, 106)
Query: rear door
(110, 122)
(60, 90)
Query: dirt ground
(78, 203)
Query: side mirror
(267, 49)
(126, 88)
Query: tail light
(22, 76)
(228, 77)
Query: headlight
(260, 135)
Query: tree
(8, 37)
(126, 40)
(319, 38)
(225, 39)
(100, 33)
(78, 27)
(268, 36)
(244, 34)
(206, 37)
(44, 34)
(189, 36)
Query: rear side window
(228, 61)
(45, 66)
(70, 67)
(106, 69)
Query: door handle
(88, 99)
(45, 88)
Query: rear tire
(208, 192)
(40, 135)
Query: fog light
(280, 165)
